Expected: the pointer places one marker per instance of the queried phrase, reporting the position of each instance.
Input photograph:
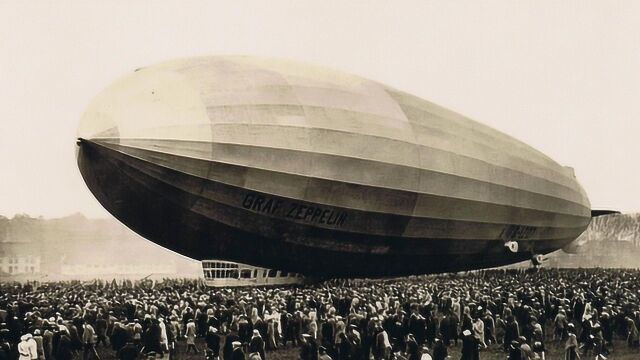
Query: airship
(296, 167)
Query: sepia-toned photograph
(319, 180)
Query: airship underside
(295, 167)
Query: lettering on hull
(518, 232)
(312, 214)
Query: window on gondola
(272, 273)
(245, 274)
(284, 274)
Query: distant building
(116, 269)
(18, 258)
(84, 263)
(20, 264)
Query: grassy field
(555, 351)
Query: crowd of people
(521, 312)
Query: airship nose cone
(151, 108)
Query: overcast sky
(562, 76)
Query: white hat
(466, 333)
(236, 343)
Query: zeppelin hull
(303, 169)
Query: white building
(17, 264)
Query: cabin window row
(218, 265)
(246, 274)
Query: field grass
(555, 351)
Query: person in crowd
(26, 348)
(514, 351)
(470, 346)
(440, 351)
(308, 347)
(129, 351)
(89, 338)
(413, 349)
(39, 344)
(571, 347)
(64, 347)
(256, 344)
(322, 354)
(237, 353)
(212, 340)
(512, 331)
(478, 331)
(102, 322)
(190, 333)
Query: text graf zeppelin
(308, 213)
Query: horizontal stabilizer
(601, 212)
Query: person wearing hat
(470, 346)
(152, 337)
(478, 331)
(26, 348)
(412, 349)
(527, 353)
(237, 353)
(514, 350)
(190, 333)
(512, 331)
(538, 349)
(136, 329)
(256, 344)
(227, 348)
(322, 353)
(439, 350)
(164, 335)
(560, 323)
(89, 342)
(119, 337)
(244, 329)
(64, 349)
(571, 348)
(5, 347)
(308, 348)
(381, 344)
(128, 352)
(39, 343)
(212, 339)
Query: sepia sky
(562, 76)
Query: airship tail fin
(601, 212)
(574, 246)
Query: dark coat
(65, 348)
(128, 352)
(440, 351)
(213, 342)
(470, 348)
(227, 350)
(237, 354)
(257, 345)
